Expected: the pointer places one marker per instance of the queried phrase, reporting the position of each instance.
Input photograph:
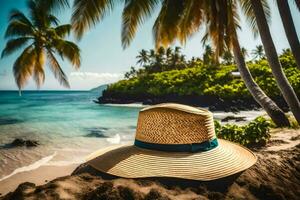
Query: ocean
(67, 124)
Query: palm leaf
(250, 16)
(14, 45)
(68, 50)
(297, 2)
(57, 70)
(135, 13)
(191, 20)
(16, 15)
(18, 28)
(165, 29)
(38, 70)
(53, 20)
(24, 65)
(86, 13)
(53, 5)
(63, 30)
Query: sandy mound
(276, 175)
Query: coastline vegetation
(179, 20)
(200, 77)
(255, 133)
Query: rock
(20, 143)
(231, 117)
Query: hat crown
(174, 124)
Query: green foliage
(254, 133)
(200, 79)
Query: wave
(65, 163)
(30, 167)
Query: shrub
(254, 133)
(207, 80)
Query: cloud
(87, 80)
(103, 76)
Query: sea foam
(30, 167)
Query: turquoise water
(69, 126)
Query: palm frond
(63, 30)
(18, 28)
(23, 66)
(54, 5)
(14, 45)
(191, 20)
(53, 20)
(38, 70)
(297, 2)
(16, 15)
(165, 29)
(86, 13)
(250, 16)
(57, 70)
(135, 13)
(68, 50)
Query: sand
(276, 175)
(38, 176)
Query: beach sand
(38, 176)
(276, 175)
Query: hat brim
(129, 161)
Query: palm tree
(271, 54)
(221, 26)
(289, 28)
(178, 19)
(244, 52)
(169, 53)
(258, 52)
(152, 56)
(208, 55)
(227, 58)
(41, 37)
(161, 54)
(143, 57)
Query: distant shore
(214, 103)
(276, 170)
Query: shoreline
(277, 163)
(213, 103)
(39, 176)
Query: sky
(103, 58)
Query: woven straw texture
(133, 162)
(174, 125)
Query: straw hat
(174, 140)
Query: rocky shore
(276, 175)
(212, 102)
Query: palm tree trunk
(276, 114)
(284, 86)
(289, 28)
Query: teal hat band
(194, 147)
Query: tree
(244, 52)
(271, 54)
(258, 53)
(209, 57)
(41, 38)
(143, 57)
(169, 53)
(179, 19)
(227, 58)
(289, 28)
